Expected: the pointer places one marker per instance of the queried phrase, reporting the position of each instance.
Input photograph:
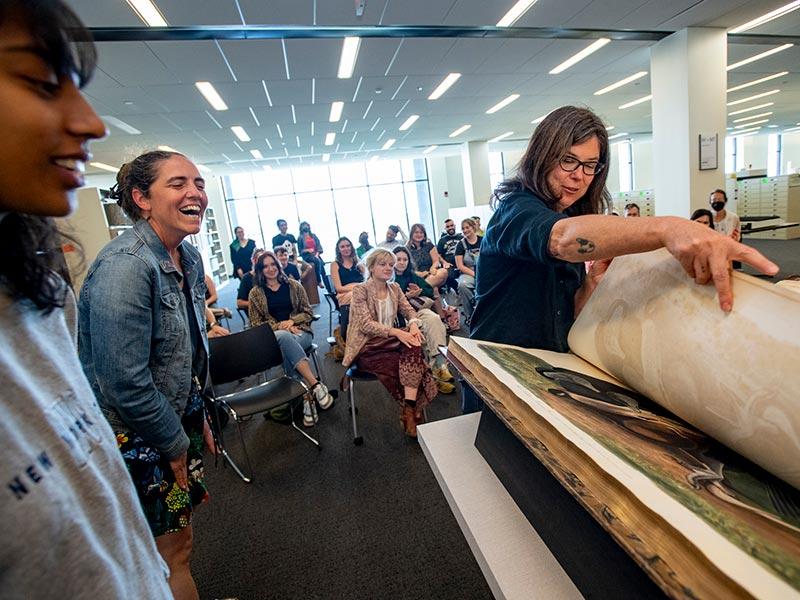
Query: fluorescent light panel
(610, 127)
(756, 57)
(460, 130)
(444, 86)
(502, 104)
(620, 83)
(515, 12)
(744, 131)
(121, 125)
(388, 144)
(347, 60)
(590, 49)
(336, 111)
(758, 116)
(148, 12)
(409, 122)
(756, 81)
(430, 149)
(167, 149)
(326, 157)
(211, 95)
(502, 136)
(539, 119)
(330, 138)
(754, 97)
(257, 154)
(104, 166)
(635, 102)
(766, 18)
(791, 130)
(744, 110)
(240, 133)
(618, 135)
(743, 125)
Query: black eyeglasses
(570, 164)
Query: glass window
(354, 214)
(318, 209)
(773, 154)
(240, 185)
(418, 205)
(244, 213)
(625, 166)
(344, 175)
(388, 208)
(272, 208)
(273, 182)
(414, 169)
(383, 171)
(311, 179)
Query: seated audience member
(425, 257)
(391, 242)
(363, 244)
(632, 210)
(290, 269)
(446, 247)
(725, 221)
(241, 252)
(211, 300)
(478, 228)
(213, 328)
(310, 251)
(282, 302)
(287, 240)
(704, 217)
(420, 295)
(376, 345)
(247, 281)
(346, 273)
(467, 253)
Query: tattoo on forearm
(586, 246)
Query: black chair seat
(354, 373)
(263, 397)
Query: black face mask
(304, 230)
(718, 205)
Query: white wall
(642, 164)
(754, 148)
(445, 175)
(791, 152)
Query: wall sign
(708, 151)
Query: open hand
(407, 338)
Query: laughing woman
(72, 525)
(143, 346)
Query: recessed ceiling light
(444, 86)
(257, 154)
(756, 81)
(388, 144)
(502, 136)
(746, 131)
(336, 111)
(620, 83)
(326, 157)
(754, 97)
(756, 57)
(744, 110)
(750, 118)
(121, 125)
(460, 130)
(430, 149)
(590, 49)
(502, 104)
(167, 149)
(240, 133)
(766, 18)
(347, 60)
(104, 166)
(515, 12)
(610, 127)
(743, 125)
(539, 119)
(148, 12)
(330, 138)
(772, 126)
(409, 122)
(211, 95)
(635, 102)
(618, 135)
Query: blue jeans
(293, 348)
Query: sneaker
(309, 413)
(444, 387)
(322, 396)
(443, 374)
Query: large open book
(675, 425)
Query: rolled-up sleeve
(524, 233)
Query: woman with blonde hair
(376, 345)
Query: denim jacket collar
(144, 231)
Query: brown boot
(409, 422)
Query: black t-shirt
(280, 240)
(279, 303)
(524, 296)
(351, 275)
(473, 249)
(292, 271)
(245, 285)
(447, 247)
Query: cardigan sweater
(301, 309)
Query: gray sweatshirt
(71, 523)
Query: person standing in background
(241, 253)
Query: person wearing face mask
(725, 221)
(310, 250)
(72, 523)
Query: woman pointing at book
(531, 278)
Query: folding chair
(240, 355)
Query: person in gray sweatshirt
(72, 524)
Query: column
(688, 83)
(475, 162)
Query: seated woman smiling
(375, 344)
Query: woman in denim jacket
(143, 347)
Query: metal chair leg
(316, 365)
(230, 460)
(308, 437)
(357, 439)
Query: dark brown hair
(140, 173)
(353, 255)
(550, 142)
(416, 227)
(412, 266)
(703, 212)
(258, 268)
(30, 246)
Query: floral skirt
(166, 506)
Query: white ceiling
(150, 85)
